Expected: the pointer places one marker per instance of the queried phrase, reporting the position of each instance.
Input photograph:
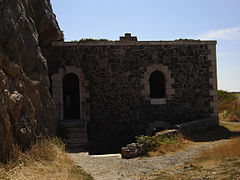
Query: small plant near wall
(161, 144)
(145, 140)
(91, 40)
(62, 36)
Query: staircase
(76, 135)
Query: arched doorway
(71, 98)
(157, 85)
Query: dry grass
(229, 149)
(177, 143)
(233, 127)
(229, 106)
(218, 162)
(45, 160)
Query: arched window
(71, 97)
(157, 85)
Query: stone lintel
(156, 101)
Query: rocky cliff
(26, 106)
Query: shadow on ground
(214, 134)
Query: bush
(225, 97)
(46, 159)
(162, 144)
(229, 106)
(145, 140)
(156, 141)
(91, 40)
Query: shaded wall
(118, 108)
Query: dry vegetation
(219, 162)
(162, 144)
(169, 145)
(229, 149)
(46, 160)
(229, 106)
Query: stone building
(121, 89)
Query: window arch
(157, 85)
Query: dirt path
(113, 167)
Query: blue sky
(160, 20)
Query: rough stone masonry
(129, 87)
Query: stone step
(77, 141)
(76, 130)
(77, 150)
(76, 135)
(76, 145)
(73, 124)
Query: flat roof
(135, 43)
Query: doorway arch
(71, 97)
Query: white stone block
(150, 69)
(212, 81)
(86, 95)
(57, 84)
(85, 83)
(171, 81)
(214, 86)
(211, 57)
(165, 69)
(144, 92)
(213, 63)
(71, 68)
(215, 98)
(212, 69)
(171, 91)
(215, 114)
(56, 77)
(168, 86)
(213, 92)
(158, 101)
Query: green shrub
(92, 40)
(153, 142)
(161, 140)
(225, 97)
(145, 140)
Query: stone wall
(117, 73)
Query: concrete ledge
(156, 101)
(134, 43)
(200, 125)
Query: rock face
(26, 106)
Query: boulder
(133, 150)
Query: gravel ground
(113, 167)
